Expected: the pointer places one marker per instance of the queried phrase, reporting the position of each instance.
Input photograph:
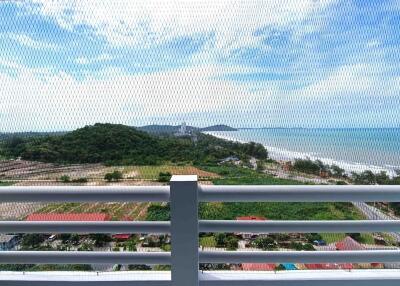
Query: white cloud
(28, 41)
(99, 58)
(153, 21)
(58, 102)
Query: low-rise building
(8, 242)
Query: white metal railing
(184, 194)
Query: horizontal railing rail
(83, 227)
(164, 227)
(184, 196)
(82, 194)
(359, 226)
(303, 193)
(84, 257)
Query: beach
(354, 150)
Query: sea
(355, 150)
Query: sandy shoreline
(284, 155)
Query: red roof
(250, 218)
(349, 244)
(68, 217)
(316, 266)
(258, 267)
(122, 236)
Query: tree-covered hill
(119, 144)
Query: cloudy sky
(308, 63)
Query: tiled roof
(258, 266)
(349, 244)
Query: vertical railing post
(184, 231)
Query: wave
(281, 154)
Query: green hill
(119, 144)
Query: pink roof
(68, 217)
(121, 236)
(250, 218)
(349, 244)
(258, 267)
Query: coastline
(284, 155)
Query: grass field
(117, 211)
(208, 241)
(152, 172)
(366, 238)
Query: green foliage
(369, 178)
(307, 166)
(164, 176)
(45, 267)
(265, 243)
(100, 239)
(115, 176)
(231, 243)
(32, 241)
(124, 145)
(140, 267)
(311, 237)
(301, 246)
(85, 247)
(65, 179)
(158, 212)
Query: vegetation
(114, 176)
(4, 184)
(265, 243)
(123, 145)
(164, 177)
(45, 267)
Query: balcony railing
(184, 195)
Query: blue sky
(309, 63)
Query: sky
(245, 63)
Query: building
(8, 242)
(258, 266)
(68, 217)
(348, 244)
(231, 159)
(182, 130)
(328, 266)
(288, 266)
(249, 218)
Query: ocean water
(352, 149)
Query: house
(287, 166)
(328, 266)
(258, 266)
(231, 159)
(68, 217)
(8, 242)
(288, 266)
(348, 244)
(121, 236)
(250, 218)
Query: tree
(220, 239)
(114, 176)
(265, 243)
(32, 240)
(65, 179)
(337, 172)
(164, 177)
(100, 239)
(232, 243)
(139, 267)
